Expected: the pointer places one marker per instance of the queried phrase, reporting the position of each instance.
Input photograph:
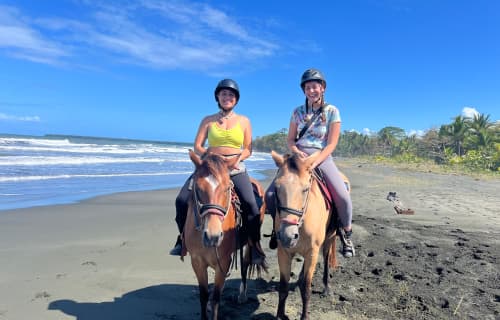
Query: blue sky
(147, 69)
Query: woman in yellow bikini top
(228, 134)
(219, 137)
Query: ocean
(56, 169)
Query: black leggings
(243, 188)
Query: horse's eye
(306, 189)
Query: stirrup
(273, 242)
(177, 250)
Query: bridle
(297, 212)
(201, 210)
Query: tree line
(472, 143)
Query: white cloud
(418, 133)
(19, 39)
(365, 131)
(469, 112)
(369, 132)
(7, 117)
(158, 34)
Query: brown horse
(211, 230)
(301, 224)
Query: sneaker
(348, 246)
(177, 250)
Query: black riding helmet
(227, 84)
(312, 75)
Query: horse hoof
(326, 294)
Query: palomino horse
(211, 230)
(301, 224)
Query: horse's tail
(332, 257)
(258, 269)
(254, 268)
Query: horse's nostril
(296, 236)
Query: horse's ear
(310, 159)
(278, 158)
(195, 158)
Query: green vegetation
(275, 141)
(464, 145)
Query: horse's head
(293, 184)
(212, 194)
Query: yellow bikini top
(218, 137)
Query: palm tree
(389, 135)
(456, 132)
(482, 131)
(480, 121)
(407, 146)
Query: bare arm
(247, 139)
(201, 136)
(292, 133)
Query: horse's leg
(245, 262)
(220, 278)
(330, 262)
(200, 270)
(285, 265)
(326, 268)
(305, 286)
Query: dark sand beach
(107, 257)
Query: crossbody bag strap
(308, 124)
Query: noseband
(201, 210)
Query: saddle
(320, 178)
(330, 203)
(257, 192)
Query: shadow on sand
(165, 301)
